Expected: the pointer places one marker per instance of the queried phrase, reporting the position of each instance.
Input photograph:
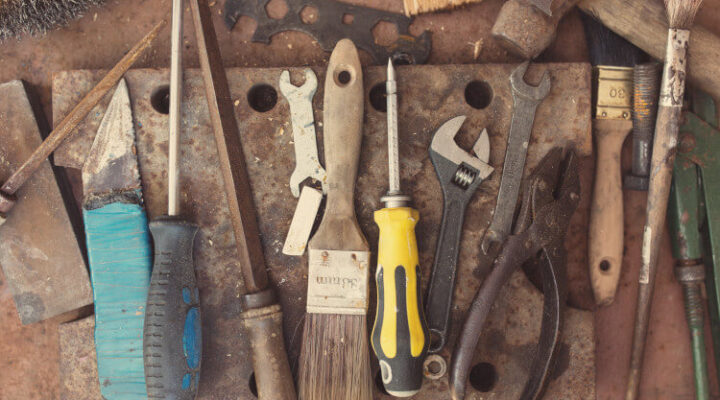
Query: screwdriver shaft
(176, 78)
(392, 125)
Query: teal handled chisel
(173, 334)
(119, 252)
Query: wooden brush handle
(342, 133)
(605, 248)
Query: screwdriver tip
(390, 70)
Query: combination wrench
(459, 174)
(307, 163)
(526, 99)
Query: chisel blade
(112, 163)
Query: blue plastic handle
(120, 258)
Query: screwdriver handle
(173, 336)
(400, 334)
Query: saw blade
(112, 165)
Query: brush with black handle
(613, 59)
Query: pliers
(550, 197)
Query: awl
(173, 334)
(118, 245)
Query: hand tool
(681, 14)
(526, 99)
(400, 335)
(65, 128)
(644, 24)
(693, 221)
(613, 59)
(21, 17)
(44, 269)
(332, 22)
(551, 195)
(511, 25)
(172, 344)
(646, 89)
(307, 162)
(334, 357)
(261, 313)
(460, 174)
(118, 245)
(684, 224)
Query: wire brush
(20, 17)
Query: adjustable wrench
(459, 174)
(307, 163)
(526, 98)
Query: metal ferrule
(614, 92)
(646, 78)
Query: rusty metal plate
(428, 96)
(77, 364)
(39, 251)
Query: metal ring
(434, 367)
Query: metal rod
(67, 126)
(230, 153)
(392, 127)
(176, 81)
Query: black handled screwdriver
(172, 341)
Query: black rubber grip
(172, 341)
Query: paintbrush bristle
(681, 13)
(335, 358)
(19, 17)
(607, 48)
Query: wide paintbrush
(613, 59)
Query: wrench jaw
(299, 176)
(306, 90)
(522, 89)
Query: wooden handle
(342, 133)
(605, 248)
(644, 24)
(272, 372)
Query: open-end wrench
(526, 98)
(307, 163)
(459, 174)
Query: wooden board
(40, 255)
(428, 96)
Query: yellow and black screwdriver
(400, 334)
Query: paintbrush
(681, 14)
(613, 59)
(335, 358)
